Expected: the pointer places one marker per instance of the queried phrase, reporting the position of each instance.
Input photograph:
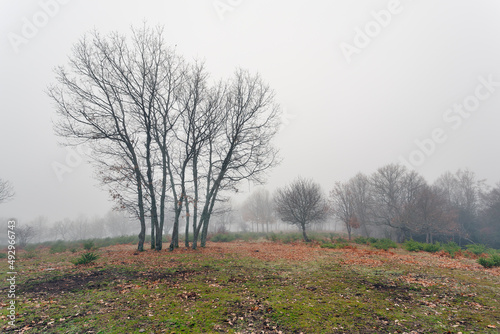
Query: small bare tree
(6, 191)
(343, 206)
(301, 203)
(24, 234)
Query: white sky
(340, 117)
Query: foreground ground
(254, 287)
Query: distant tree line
(457, 206)
(392, 202)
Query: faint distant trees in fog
(113, 224)
(258, 209)
(6, 191)
(458, 206)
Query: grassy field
(253, 287)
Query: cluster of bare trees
(402, 201)
(163, 135)
(392, 202)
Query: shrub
(384, 244)
(372, 240)
(490, 262)
(361, 240)
(432, 248)
(223, 237)
(413, 246)
(477, 249)
(3, 255)
(58, 247)
(451, 248)
(85, 258)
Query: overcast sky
(362, 84)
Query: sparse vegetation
(258, 287)
(58, 247)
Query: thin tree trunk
(306, 239)
(186, 232)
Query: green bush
(384, 244)
(58, 247)
(451, 248)
(477, 249)
(490, 262)
(85, 258)
(3, 255)
(432, 248)
(226, 237)
(413, 246)
(361, 240)
(372, 240)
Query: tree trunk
(306, 239)
(153, 239)
(186, 232)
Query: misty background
(341, 115)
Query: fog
(361, 85)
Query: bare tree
(489, 226)
(241, 149)
(343, 206)
(301, 203)
(25, 233)
(463, 190)
(434, 214)
(6, 191)
(395, 192)
(363, 201)
(111, 98)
